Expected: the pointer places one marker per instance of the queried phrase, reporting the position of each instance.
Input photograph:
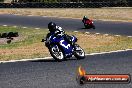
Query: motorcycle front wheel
(56, 53)
(79, 52)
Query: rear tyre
(79, 52)
(56, 53)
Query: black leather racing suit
(84, 20)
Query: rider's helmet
(52, 26)
(85, 17)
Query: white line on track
(46, 58)
(26, 60)
(29, 15)
(110, 52)
(37, 28)
(106, 34)
(97, 33)
(14, 26)
(17, 14)
(44, 16)
(87, 32)
(5, 25)
(24, 27)
(117, 35)
(129, 36)
(75, 31)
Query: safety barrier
(65, 5)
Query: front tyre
(79, 52)
(56, 53)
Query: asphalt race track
(116, 28)
(51, 74)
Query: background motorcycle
(89, 24)
(60, 49)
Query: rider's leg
(68, 38)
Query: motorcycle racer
(85, 18)
(57, 32)
(88, 23)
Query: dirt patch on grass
(121, 14)
(3, 41)
(32, 51)
(13, 39)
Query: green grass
(32, 47)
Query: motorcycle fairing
(64, 45)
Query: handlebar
(43, 40)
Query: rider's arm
(59, 31)
(47, 36)
(83, 20)
(47, 39)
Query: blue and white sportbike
(60, 49)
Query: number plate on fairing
(66, 47)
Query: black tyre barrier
(9, 35)
(16, 34)
(8, 41)
(3, 35)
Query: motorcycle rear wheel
(79, 52)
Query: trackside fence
(66, 5)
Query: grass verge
(32, 47)
(116, 14)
